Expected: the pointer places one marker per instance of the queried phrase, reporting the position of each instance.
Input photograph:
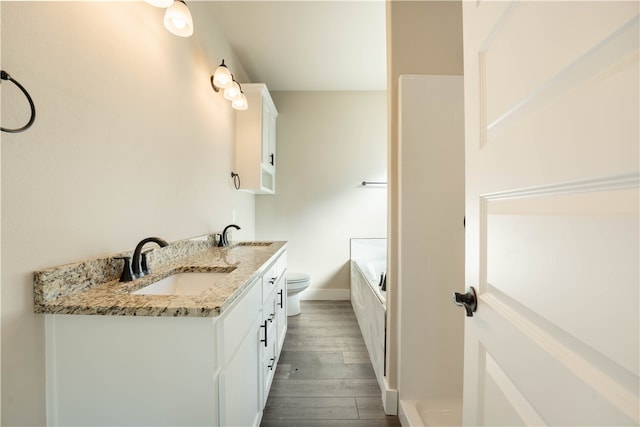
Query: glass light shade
(177, 19)
(240, 103)
(232, 92)
(160, 3)
(222, 77)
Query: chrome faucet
(224, 240)
(137, 271)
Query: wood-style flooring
(324, 377)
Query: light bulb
(222, 77)
(177, 19)
(232, 92)
(179, 23)
(240, 103)
(160, 3)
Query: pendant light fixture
(177, 19)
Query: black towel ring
(5, 76)
(236, 180)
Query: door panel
(551, 111)
(545, 251)
(580, 53)
(551, 380)
(503, 402)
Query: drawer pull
(265, 333)
(281, 303)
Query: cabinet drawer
(281, 314)
(269, 311)
(239, 319)
(269, 281)
(269, 367)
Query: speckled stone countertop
(81, 289)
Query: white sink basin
(182, 284)
(254, 244)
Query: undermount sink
(254, 244)
(192, 283)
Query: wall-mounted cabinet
(256, 141)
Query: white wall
(328, 143)
(423, 37)
(129, 141)
(431, 258)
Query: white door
(551, 111)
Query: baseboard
(411, 419)
(325, 294)
(389, 399)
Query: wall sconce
(177, 17)
(223, 79)
(160, 3)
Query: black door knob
(469, 301)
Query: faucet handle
(144, 264)
(127, 273)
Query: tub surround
(368, 262)
(369, 257)
(92, 287)
(373, 271)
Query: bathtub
(368, 263)
(434, 412)
(373, 270)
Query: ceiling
(330, 45)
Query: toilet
(296, 283)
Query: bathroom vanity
(118, 358)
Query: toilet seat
(297, 281)
(297, 285)
(293, 277)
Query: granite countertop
(244, 260)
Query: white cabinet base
(168, 371)
(170, 363)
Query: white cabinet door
(551, 106)
(270, 319)
(268, 134)
(240, 379)
(240, 382)
(256, 140)
(131, 371)
(281, 311)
